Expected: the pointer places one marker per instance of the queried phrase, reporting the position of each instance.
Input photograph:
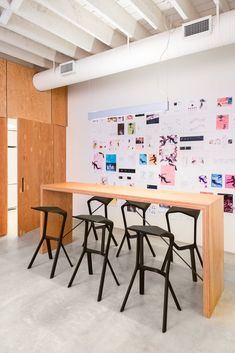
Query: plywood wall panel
(3, 92)
(35, 167)
(23, 100)
(59, 106)
(3, 176)
(59, 153)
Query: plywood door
(3, 176)
(35, 167)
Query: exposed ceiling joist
(80, 17)
(26, 44)
(9, 8)
(52, 23)
(185, 9)
(24, 55)
(223, 5)
(119, 18)
(37, 34)
(151, 13)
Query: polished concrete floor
(39, 315)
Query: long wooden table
(60, 194)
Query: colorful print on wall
(183, 148)
(98, 161)
(230, 181)
(222, 122)
(228, 202)
(216, 180)
(111, 162)
(224, 101)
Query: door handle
(22, 184)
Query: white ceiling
(44, 32)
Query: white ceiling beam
(119, 18)
(151, 13)
(52, 23)
(24, 55)
(185, 9)
(37, 34)
(223, 5)
(84, 19)
(9, 8)
(26, 44)
(4, 3)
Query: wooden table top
(166, 197)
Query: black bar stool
(104, 251)
(192, 247)
(105, 201)
(142, 206)
(141, 232)
(56, 210)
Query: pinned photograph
(112, 119)
(228, 202)
(167, 175)
(131, 128)
(98, 161)
(230, 181)
(203, 180)
(111, 162)
(152, 119)
(222, 121)
(216, 180)
(224, 101)
(143, 159)
(139, 141)
(121, 129)
(153, 159)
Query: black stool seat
(50, 209)
(106, 224)
(48, 238)
(187, 211)
(141, 232)
(142, 206)
(104, 201)
(151, 230)
(192, 247)
(94, 219)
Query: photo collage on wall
(189, 147)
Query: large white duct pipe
(160, 47)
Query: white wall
(210, 74)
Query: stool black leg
(165, 306)
(82, 255)
(193, 264)
(125, 236)
(113, 273)
(49, 249)
(104, 266)
(76, 268)
(66, 254)
(114, 240)
(141, 263)
(128, 241)
(36, 252)
(150, 246)
(89, 261)
(103, 240)
(174, 296)
(133, 276)
(55, 259)
(199, 255)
